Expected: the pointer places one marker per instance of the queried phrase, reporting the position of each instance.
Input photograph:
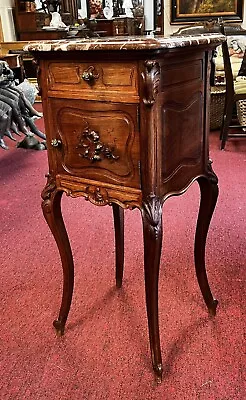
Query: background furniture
(119, 26)
(15, 49)
(159, 17)
(40, 34)
(15, 62)
(129, 131)
(29, 22)
(234, 93)
(1, 30)
(236, 42)
(236, 37)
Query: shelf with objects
(60, 19)
(117, 18)
(33, 20)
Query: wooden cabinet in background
(120, 26)
(29, 23)
(28, 20)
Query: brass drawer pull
(56, 143)
(89, 75)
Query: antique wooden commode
(127, 125)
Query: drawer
(97, 141)
(90, 80)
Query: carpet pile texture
(104, 353)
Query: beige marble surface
(124, 43)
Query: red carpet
(105, 352)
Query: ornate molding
(211, 174)
(100, 195)
(92, 147)
(152, 208)
(49, 189)
(97, 195)
(151, 78)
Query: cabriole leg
(152, 232)
(51, 206)
(209, 194)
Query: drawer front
(91, 79)
(95, 141)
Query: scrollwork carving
(152, 207)
(49, 187)
(100, 195)
(211, 174)
(47, 193)
(97, 195)
(151, 78)
(93, 149)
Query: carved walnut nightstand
(127, 125)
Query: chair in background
(235, 91)
(217, 80)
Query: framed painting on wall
(95, 8)
(197, 10)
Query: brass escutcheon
(55, 143)
(89, 75)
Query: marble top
(125, 43)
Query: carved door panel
(96, 141)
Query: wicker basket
(217, 106)
(241, 112)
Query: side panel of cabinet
(182, 122)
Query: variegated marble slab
(125, 43)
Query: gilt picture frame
(95, 7)
(183, 11)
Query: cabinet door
(95, 140)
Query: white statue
(56, 20)
(109, 3)
(127, 5)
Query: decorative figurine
(17, 113)
(128, 6)
(56, 20)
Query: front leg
(51, 206)
(209, 195)
(152, 232)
